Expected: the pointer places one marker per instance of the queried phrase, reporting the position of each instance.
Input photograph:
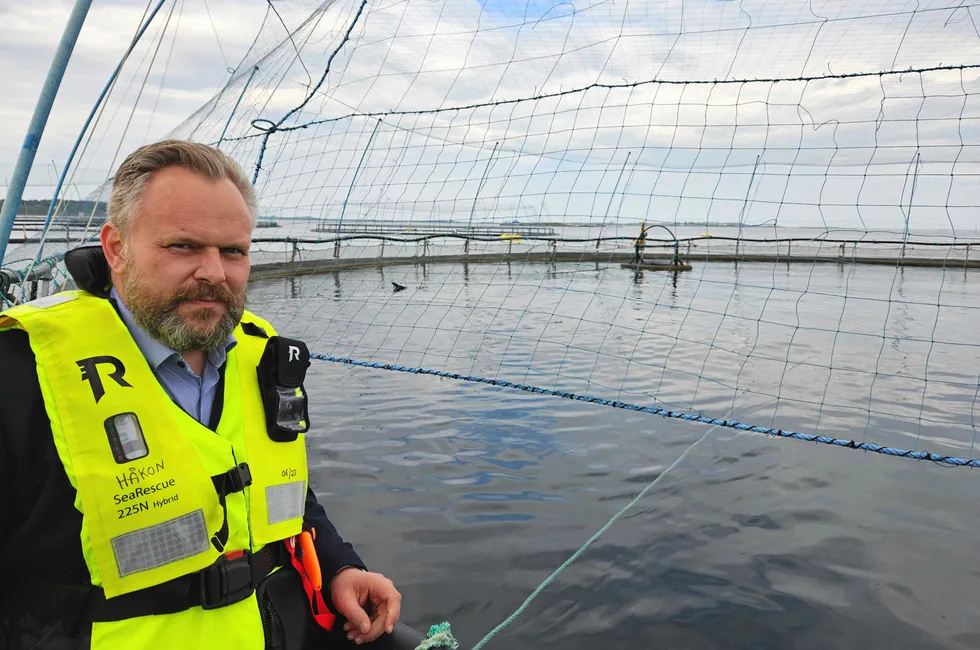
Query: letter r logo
(293, 353)
(90, 373)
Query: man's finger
(345, 601)
(394, 605)
(377, 627)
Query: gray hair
(134, 173)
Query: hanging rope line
(574, 556)
(654, 410)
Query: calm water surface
(468, 496)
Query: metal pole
(908, 215)
(469, 225)
(41, 111)
(745, 204)
(336, 246)
(234, 110)
(91, 116)
(612, 195)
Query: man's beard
(160, 319)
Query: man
(129, 515)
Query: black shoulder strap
(218, 403)
(254, 330)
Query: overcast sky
(827, 151)
(29, 35)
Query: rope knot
(259, 124)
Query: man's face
(183, 267)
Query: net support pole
(88, 120)
(469, 225)
(340, 222)
(248, 82)
(25, 160)
(745, 205)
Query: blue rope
(692, 417)
(276, 126)
(616, 86)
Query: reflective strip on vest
(285, 502)
(167, 542)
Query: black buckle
(240, 477)
(227, 581)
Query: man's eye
(232, 251)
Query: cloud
(29, 35)
(455, 83)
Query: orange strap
(310, 561)
(307, 565)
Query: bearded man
(153, 478)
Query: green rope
(510, 619)
(440, 636)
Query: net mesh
(462, 186)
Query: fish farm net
(757, 214)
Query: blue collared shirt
(192, 393)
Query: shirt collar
(155, 351)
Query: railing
(370, 227)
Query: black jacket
(39, 525)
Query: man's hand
(352, 589)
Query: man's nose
(210, 268)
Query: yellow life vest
(144, 470)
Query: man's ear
(112, 246)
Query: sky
(29, 36)
(560, 110)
